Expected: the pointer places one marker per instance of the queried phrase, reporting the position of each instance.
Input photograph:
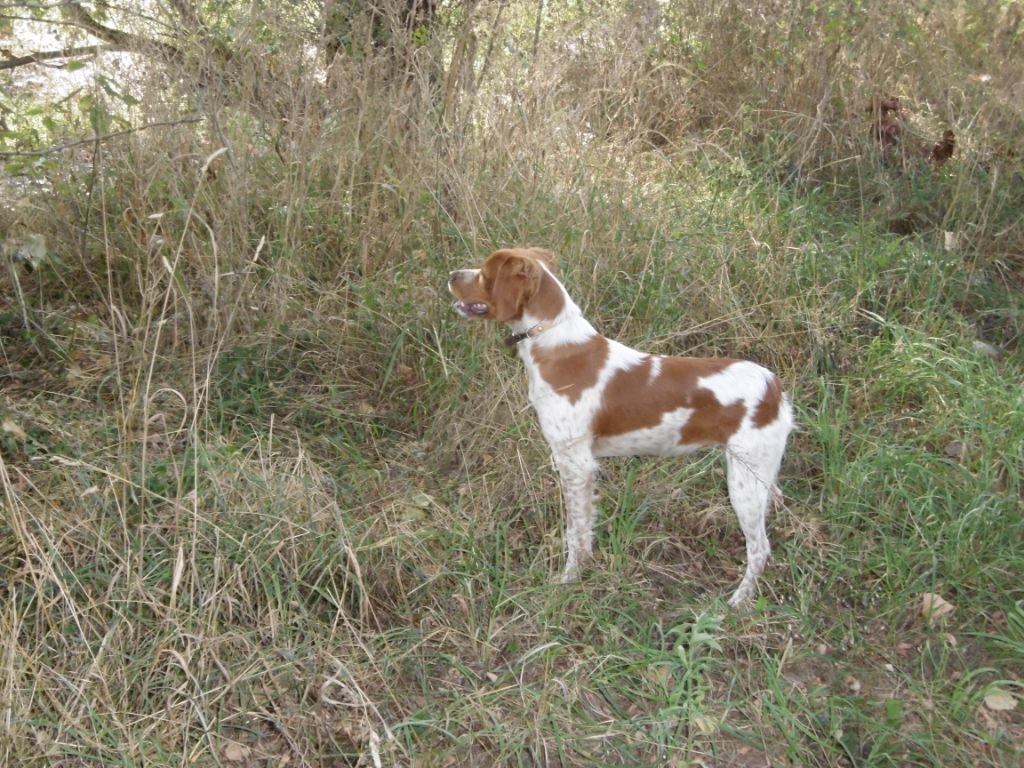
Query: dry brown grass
(267, 503)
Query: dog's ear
(516, 281)
(542, 254)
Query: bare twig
(95, 139)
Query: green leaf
(75, 64)
(99, 119)
(894, 711)
(105, 85)
(108, 86)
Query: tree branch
(125, 41)
(66, 53)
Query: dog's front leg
(577, 472)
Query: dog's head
(510, 283)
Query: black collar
(531, 333)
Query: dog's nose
(453, 276)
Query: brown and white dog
(596, 397)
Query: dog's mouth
(471, 309)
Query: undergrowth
(267, 501)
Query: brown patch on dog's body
(768, 409)
(572, 369)
(711, 423)
(633, 401)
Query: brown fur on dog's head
(509, 282)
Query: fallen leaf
(236, 753)
(954, 450)
(934, 607)
(422, 500)
(704, 724)
(989, 720)
(411, 514)
(46, 744)
(14, 429)
(407, 374)
(999, 700)
(31, 251)
(659, 675)
(987, 349)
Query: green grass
(267, 501)
(348, 575)
(350, 552)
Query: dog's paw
(741, 596)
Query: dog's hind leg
(752, 467)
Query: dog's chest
(562, 417)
